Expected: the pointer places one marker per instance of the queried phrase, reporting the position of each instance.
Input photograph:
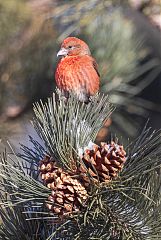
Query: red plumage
(77, 70)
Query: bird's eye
(69, 47)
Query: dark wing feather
(95, 65)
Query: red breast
(76, 73)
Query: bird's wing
(95, 65)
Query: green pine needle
(66, 126)
(127, 208)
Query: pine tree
(70, 188)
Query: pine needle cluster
(127, 207)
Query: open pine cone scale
(67, 194)
(103, 163)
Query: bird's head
(73, 46)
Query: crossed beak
(62, 52)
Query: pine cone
(102, 163)
(67, 193)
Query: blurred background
(124, 36)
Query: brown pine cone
(102, 163)
(67, 193)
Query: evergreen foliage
(129, 207)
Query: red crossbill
(77, 70)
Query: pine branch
(128, 207)
(19, 194)
(66, 126)
(19, 183)
(32, 155)
(15, 225)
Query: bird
(77, 71)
